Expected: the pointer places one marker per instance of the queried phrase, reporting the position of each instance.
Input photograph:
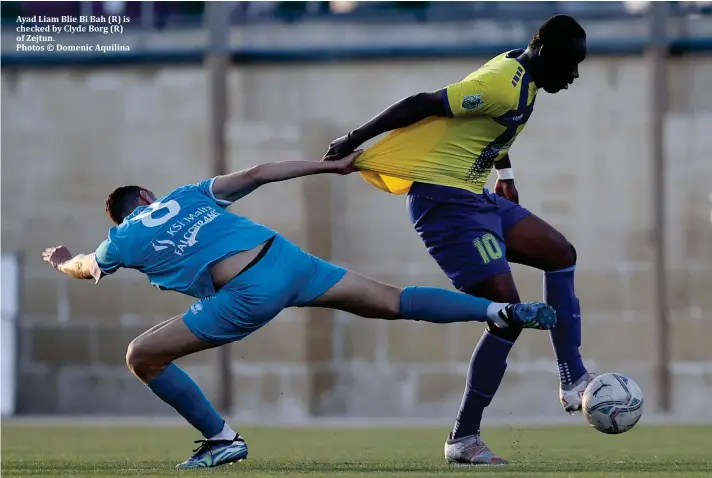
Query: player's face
(561, 65)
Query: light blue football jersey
(176, 239)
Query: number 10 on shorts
(488, 247)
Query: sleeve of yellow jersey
(485, 93)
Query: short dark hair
(122, 201)
(557, 29)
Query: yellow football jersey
(489, 109)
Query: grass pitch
(554, 452)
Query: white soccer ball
(612, 403)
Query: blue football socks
(178, 390)
(440, 306)
(487, 367)
(566, 336)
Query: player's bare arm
(505, 180)
(81, 266)
(404, 113)
(234, 186)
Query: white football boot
(471, 450)
(571, 395)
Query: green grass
(557, 452)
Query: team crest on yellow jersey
(472, 102)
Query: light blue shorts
(286, 276)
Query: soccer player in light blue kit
(243, 274)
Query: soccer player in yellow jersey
(440, 151)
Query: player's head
(559, 45)
(123, 200)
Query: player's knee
(510, 334)
(569, 255)
(563, 256)
(133, 356)
(138, 358)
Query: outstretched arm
(231, 187)
(404, 113)
(81, 266)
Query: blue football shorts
(286, 276)
(463, 231)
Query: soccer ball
(612, 403)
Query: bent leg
(150, 357)
(531, 241)
(535, 243)
(464, 236)
(150, 353)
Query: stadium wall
(71, 135)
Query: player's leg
(366, 297)
(240, 307)
(487, 367)
(533, 242)
(489, 358)
(150, 357)
(463, 234)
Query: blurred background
(621, 163)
